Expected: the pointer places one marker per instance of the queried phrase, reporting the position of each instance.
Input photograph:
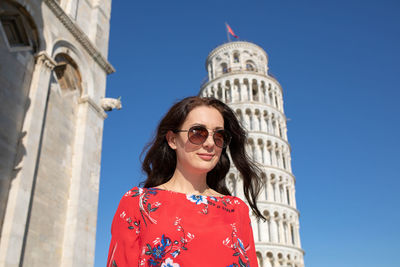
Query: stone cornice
(80, 36)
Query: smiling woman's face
(193, 158)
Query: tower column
(274, 231)
(293, 197)
(269, 122)
(223, 91)
(264, 231)
(255, 227)
(250, 90)
(270, 192)
(269, 95)
(274, 159)
(276, 190)
(243, 92)
(297, 236)
(281, 232)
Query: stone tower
(53, 69)
(238, 75)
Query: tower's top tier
(236, 56)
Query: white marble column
(264, 231)
(270, 190)
(297, 235)
(256, 122)
(281, 232)
(243, 92)
(293, 192)
(263, 123)
(223, 91)
(247, 122)
(235, 91)
(255, 225)
(276, 190)
(250, 90)
(258, 157)
(287, 238)
(270, 128)
(274, 230)
(274, 159)
(209, 72)
(267, 98)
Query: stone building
(53, 68)
(238, 75)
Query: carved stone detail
(43, 58)
(80, 36)
(108, 104)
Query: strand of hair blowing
(160, 160)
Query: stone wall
(51, 91)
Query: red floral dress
(160, 228)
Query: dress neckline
(185, 194)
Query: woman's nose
(209, 141)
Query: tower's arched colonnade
(238, 75)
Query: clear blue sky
(339, 65)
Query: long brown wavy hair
(160, 160)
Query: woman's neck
(193, 183)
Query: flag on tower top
(231, 31)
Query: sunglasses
(198, 135)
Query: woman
(185, 216)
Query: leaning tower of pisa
(238, 75)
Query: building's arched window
(67, 73)
(224, 68)
(17, 26)
(250, 66)
(236, 58)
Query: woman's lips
(205, 156)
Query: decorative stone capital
(43, 58)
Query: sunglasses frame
(225, 134)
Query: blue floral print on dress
(198, 199)
(164, 246)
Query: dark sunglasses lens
(221, 138)
(198, 135)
